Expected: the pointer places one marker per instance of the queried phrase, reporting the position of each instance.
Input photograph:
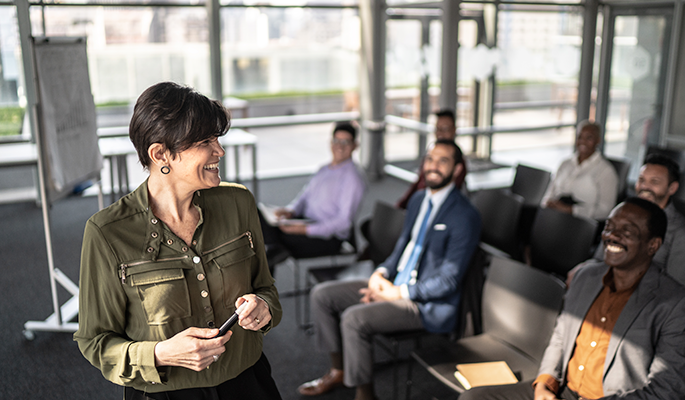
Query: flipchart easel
(61, 115)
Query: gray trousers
(345, 325)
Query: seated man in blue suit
(621, 334)
(417, 287)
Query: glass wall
(131, 48)
(635, 104)
(267, 52)
(12, 102)
(537, 82)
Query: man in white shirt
(585, 184)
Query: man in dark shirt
(445, 129)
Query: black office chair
(560, 241)
(519, 309)
(622, 167)
(382, 231)
(531, 184)
(500, 212)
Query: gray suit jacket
(646, 354)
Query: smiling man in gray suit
(621, 333)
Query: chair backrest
(500, 213)
(531, 184)
(622, 167)
(520, 305)
(470, 308)
(560, 241)
(385, 228)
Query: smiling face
(445, 128)
(439, 166)
(586, 143)
(342, 146)
(652, 184)
(198, 166)
(626, 238)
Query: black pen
(231, 320)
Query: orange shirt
(586, 368)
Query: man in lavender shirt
(327, 205)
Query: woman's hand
(257, 313)
(193, 348)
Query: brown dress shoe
(332, 380)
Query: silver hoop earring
(166, 170)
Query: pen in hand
(232, 320)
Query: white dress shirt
(437, 198)
(593, 184)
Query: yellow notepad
(484, 374)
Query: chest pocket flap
(234, 259)
(232, 252)
(156, 271)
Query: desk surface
(23, 154)
(238, 137)
(18, 154)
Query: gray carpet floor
(51, 367)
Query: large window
(130, 48)
(537, 82)
(268, 52)
(12, 104)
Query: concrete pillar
(587, 57)
(372, 86)
(450, 48)
(214, 18)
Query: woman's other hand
(256, 315)
(193, 348)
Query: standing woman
(166, 265)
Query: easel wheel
(29, 335)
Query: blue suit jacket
(448, 247)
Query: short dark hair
(347, 127)
(670, 164)
(175, 116)
(458, 155)
(657, 221)
(446, 112)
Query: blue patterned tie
(404, 276)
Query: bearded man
(418, 287)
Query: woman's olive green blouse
(141, 284)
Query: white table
(18, 155)
(116, 149)
(236, 138)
